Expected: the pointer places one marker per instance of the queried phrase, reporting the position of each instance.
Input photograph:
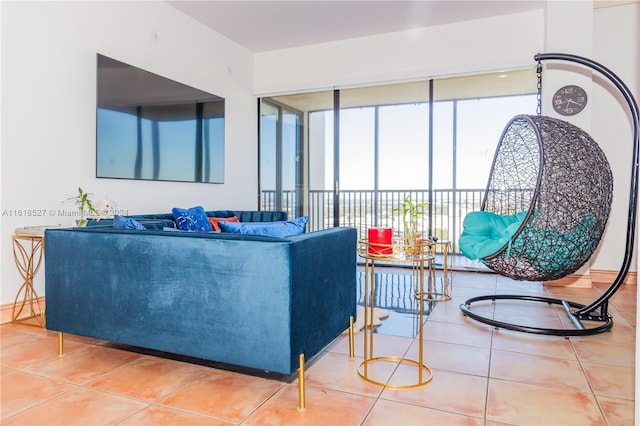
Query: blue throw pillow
(193, 219)
(280, 229)
(122, 222)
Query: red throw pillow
(214, 221)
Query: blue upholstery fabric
(148, 223)
(323, 287)
(162, 220)
(247, 300)
(143, 219)
(258, 216)
(121, 222)
(157, 223)
(280, 229)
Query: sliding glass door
(281, 152)
(384, 152)
(366, 149)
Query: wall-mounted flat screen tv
(152, 128)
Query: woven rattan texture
(558, 174)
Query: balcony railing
(363, 209)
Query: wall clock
(569, 100)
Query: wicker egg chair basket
(560, 176)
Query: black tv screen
(152, 128)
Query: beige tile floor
(481, 376)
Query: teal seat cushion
(549, 251)
(484, 233)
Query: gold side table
(436, 292)
(417, 255)
(28, 251)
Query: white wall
(503, 42)
(49, 102)
(616, 44)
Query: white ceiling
(269, 25)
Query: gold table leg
(351, 338)
(60, 343)
(435, 293)
(302, 404)
(27, 253)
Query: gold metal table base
(435, 292)
(424, 373)
(27, 253)
(416, 254)
(432, 296)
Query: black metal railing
(363, 209)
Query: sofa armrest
(324, 287)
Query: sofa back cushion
(159, 221)
(149, 224)
(122, 222)
(280, 229)
(256, 215)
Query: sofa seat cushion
(279, 229)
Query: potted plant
(84, 204)
(410, 213)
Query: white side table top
(34, 230)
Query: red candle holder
(380, 240)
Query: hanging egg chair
(545, 209)
(546, 204)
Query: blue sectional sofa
(246, 300)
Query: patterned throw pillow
(193, 219)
